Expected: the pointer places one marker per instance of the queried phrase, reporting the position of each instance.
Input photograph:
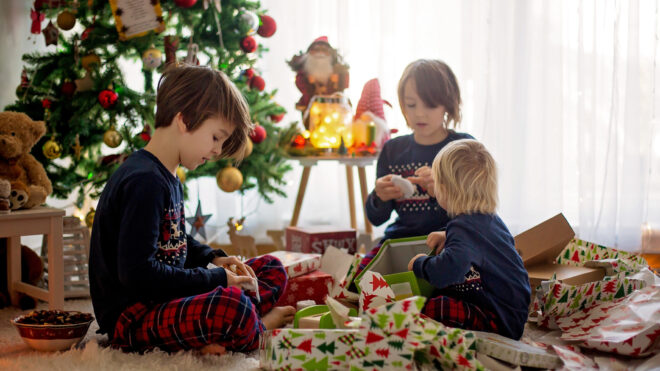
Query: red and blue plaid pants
(453, 312)
(224, 316)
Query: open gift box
(539, 247)
(392, 263)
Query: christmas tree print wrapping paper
(628, 326)
(297, 263)
(579, 252)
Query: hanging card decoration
(135, 18)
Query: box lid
(542, 243)
(568, 274)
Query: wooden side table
(359, 162)
(35, 221)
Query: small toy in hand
(252, 285)
(404, 185)
(54, 317)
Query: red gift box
(311, 286)
(317, 238)
(297, 263)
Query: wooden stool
(359, 162)
(35, 221)
(75, 250)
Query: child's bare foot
(215, 349)
(278, 317)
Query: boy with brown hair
(149, 283)
(481, 281)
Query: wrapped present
(628, 326)
(340, 290)
(311, 286)
(574, 359)
(556, 299)
(317, 239)
(374, 291)
(298, 349)
(515, 352)
(391, 262)
(296, 263)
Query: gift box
(515, 352)
(316, 239)
(297, 263)
(539, 247)
(308, 349)
(310, 286)
(391, 262)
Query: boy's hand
(410, 264)
(233, 264)
(436, 241)
(386, 190)
(424, 178)
(235, 280)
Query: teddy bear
(5, 192)
(29, 183)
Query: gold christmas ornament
(249, 146)
(89, 218)
(229, 179)
(66, 20)
(52, 149)
(181, 174)
(152, 58)
(112, 138)
(90, 60)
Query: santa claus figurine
(320, 70)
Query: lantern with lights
(330, 119)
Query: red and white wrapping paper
(627, 326)
(297, 263)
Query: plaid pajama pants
(461, 314)
(367, 258)
(225, 316)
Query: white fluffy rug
(16, 355)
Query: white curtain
(563, 93)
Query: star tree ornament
(198, 222)
(77, 148)
(50, 34)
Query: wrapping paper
(577, 252)
(311, 286)
(288, 349)
(374, 291)
(296, 263)
(556, 300)
(628, 326)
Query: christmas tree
(95, 121)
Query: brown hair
(200, 92)
(436, 86)
(469, 176)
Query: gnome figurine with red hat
(320, 70)
(369, 125)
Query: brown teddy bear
(29, 183)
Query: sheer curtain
(563, 93)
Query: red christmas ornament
(86, 33)
(145, 135)
(45, 103)
(107, 98)
(299, 141)
(185, 3)
(267, 27)
(257, 82)
(249, 73)
(278, 117)
(68, 88)
(249, 44)
(258, 134)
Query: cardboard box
(297, 263)
(317, 238)
(392, 263)
(539, 246)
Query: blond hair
(466, 173)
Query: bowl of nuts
(52, 330)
